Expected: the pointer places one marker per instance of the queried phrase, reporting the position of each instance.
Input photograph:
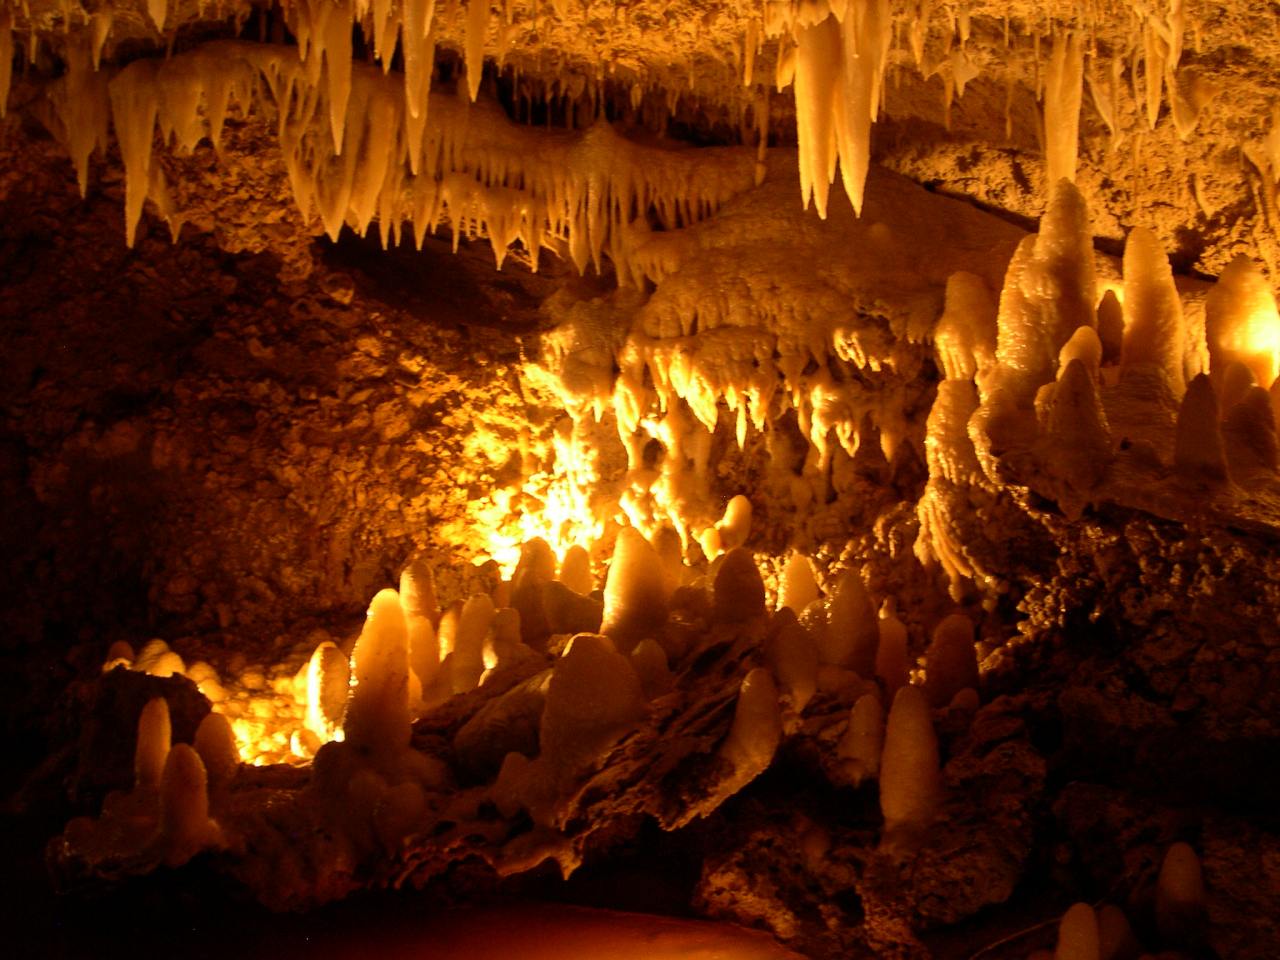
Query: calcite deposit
(448, 453)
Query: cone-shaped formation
(738, 592)
(892, 662)
(852, 633)
(910, 774)
(377, 717)
(635, 593)
(1111, 327)
(756, 730)
(421, 611)
(1077, 437)
(839, 69)
(468, 651)
(1198, 449)
(153, 743)
(575, 571)
(965, 338)
(1180, 896)
(735, 526)
(863, 741)
(1049, 293)
(185, 827)
(216, 743)
(594, 695)
(951, 662)
(792, 656)
(1078, 935)
(797, 587)
(1063, 88)
(328, 687)
(1116, 940)
(1155, 335)
(1242, 323)
(1249, 437)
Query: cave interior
(666, 478)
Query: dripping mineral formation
(891, 566)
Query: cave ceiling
(1180, 142)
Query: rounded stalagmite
(635, 594)
(152, 748)
(1180, 897)
(951, 662)
(863, 742)
(575, 570)
(377, 717)
(852, 633)
(738, 591)
(1078, 935)
(797, 587)
(185, 827)
(216, 744)
(910, 775)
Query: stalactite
(1063, 86)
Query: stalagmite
(185, 827)
(1180, 896)
(797, 587)
(735, 526)
(216, 744)
(650, 662)
(892, 663)
(1085, 345)
(153, 743)
(1116, 940)
(1110, 327)
(951, 662)
(468, 651)
(1155, 335)
(1198, 449)
(1078, 935)
(1063, 281)
(1077, 438)
(593, 697)
(1249, 437)
(1233, 385)
(738, 593)
(852, 633)
(328, 687)
(421, 610)
(1063, 88)
(575, 571)
(863, 741)
(1049, 292)
(537, 564)
(965, 337)
(1242, 323)
(910, 775)
(635, 599)
(377, 717)
(792, 655)
(756, 730)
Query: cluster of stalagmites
(563, 673)
(1176, 919)
(1087, 392)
